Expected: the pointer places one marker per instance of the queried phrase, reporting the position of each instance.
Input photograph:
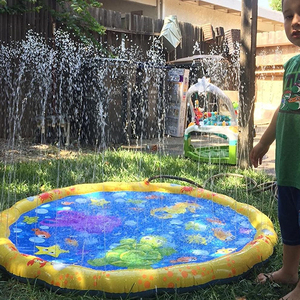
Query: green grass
(22, 179)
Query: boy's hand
(257, 154)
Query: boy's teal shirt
(288, 127)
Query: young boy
(285, 127)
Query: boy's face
(291, 14)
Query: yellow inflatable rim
(136, 281)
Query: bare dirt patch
(26, 151)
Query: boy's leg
(289, 216)
(291, 257)
(288, 274)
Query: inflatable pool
(137, 238)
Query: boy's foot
(293, 295)
(277, 277)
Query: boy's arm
(262, 147)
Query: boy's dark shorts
(289, 214)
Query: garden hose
(269, 185)
(176, 178)
(252, 185)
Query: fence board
(117, 20)
(148, 25)
(127, 21)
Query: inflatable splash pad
(139, 238)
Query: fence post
(247, 81)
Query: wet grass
(22, 179)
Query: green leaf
(74, 15)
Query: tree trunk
(247, 81)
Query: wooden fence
(134, 29)
(130, 30)
(14, 26)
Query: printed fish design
(154, 197)
(184, 259)
(168, 212)
(215, 221)
(223, 235)
(40, 233)
(67, 203)
(71, 242)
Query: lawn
(20, 179)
